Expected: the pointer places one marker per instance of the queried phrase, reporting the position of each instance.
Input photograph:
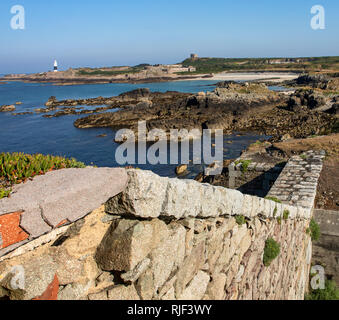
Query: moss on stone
(275, 212)
(286, 213)
(314, 230)
(244, 164)
(240, 220)
(271, 251)
(273, 199)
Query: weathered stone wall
(326, 249)
(212, 258)
(297, 183)
(167, 238)
(149, 196)
(105, 257)
(256, 179)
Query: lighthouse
(55, 66)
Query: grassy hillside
(112, 72)
(214, 65)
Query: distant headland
(194, 68)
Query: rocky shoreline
(99, 80)
(307, 109)
(71, 77)
(246, 107)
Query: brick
(51, 292)
(62, 223)
(10, 231)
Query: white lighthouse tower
(55, 66)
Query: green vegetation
(303, 156)
(240, 220)
(275, 212)
(142, 65)
(215, 65)
(244, 164)
(331, 292)
(111, 72)
(18, 167)
(257, 143)
(4, 192)
(314, 230)
(273, 199)
(271, 251)
(279, 220)
(286, 213)
(330, 93)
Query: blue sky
(113, 32)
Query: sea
(32, 133)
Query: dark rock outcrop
(136, 94)
(244, 107)
(334, 109)
(305, 98)
(315, 81)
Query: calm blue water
(58, 136)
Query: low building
(182, 69)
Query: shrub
(279, 220)
(240, 220)
(331, 292)
(275, 212)
(4, 193)
(314, 230)
(286, 213)
(18, 167)
(256, 144)
(271, 251)
(273, 199)
(244, 164)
